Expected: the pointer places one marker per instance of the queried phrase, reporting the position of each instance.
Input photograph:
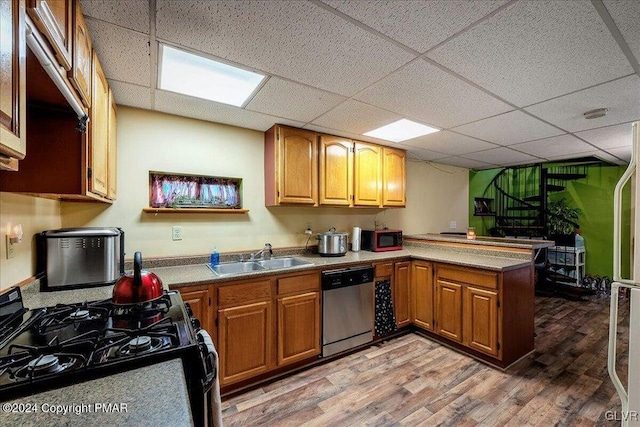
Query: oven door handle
(210, 355)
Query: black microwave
(382, 240)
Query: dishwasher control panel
(333, 279)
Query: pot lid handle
(332, 229)
(137, 269)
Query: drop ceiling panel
(349, 135)
(502, 156)
(292, 100)
(466, 163)
(132, 14)
(626, 15)
(356, 117)
(419, 153)
(623, 153)
(293, 39)
(563, 145)
(423, 92)
(448, 143)
(124, 54)
(610, 136)
(536, 50)
(509, 128)
(621, 96)
(131, 95)
(418, 25)
(202, 109)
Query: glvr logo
(622, 416)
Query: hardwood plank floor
(413, 381)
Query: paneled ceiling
(506, 81)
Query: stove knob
(188, 308)
(195, 323)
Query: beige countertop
(485, 241)
(138, 398)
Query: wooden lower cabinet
(245, 342)
(449, 310)
(200, 300)
(298, 327)
(401, 283)
(422, 294)
(481, 319)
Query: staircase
(521, 194)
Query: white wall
(149, 140)
(35, 215)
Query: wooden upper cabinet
(80, 74)
(54, 20)
(393, 177)
(12, 79)
(336, 171)
(368, 174)
(99, 131)
(291, 166)
(112, 150)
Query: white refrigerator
(630, 397)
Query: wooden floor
(413, 381)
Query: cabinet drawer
(472, 277)
(384, 269)
(244, 292)
(307, 282)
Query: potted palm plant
(562, 221)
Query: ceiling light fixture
(596, 114)
(401, 130)
(189, 74)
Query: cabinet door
(368, 175)
(449, 310)
(393, 177)
(422, 294)
(401, 282)
(481, 320)
(336, 171)
(99, 130)
(12, 79)
(244, 338)
(298, 327)
(54, 20)
(80, 73)
(199, 299)
(112, 150)
(297, 166)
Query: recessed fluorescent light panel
(401, 130)
(194, 75)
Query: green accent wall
(594, 196)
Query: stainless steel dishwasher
(347, 309)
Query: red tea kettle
(143, 286)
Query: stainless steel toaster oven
(80, 257)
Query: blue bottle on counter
(215, 257)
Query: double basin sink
(240, 267)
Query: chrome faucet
(267, 247)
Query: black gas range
(50, 347)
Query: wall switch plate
(11, 248)
(453, 225)
(176, 232)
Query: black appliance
(51, 347)
(381, 240)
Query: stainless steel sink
(229, 268)
(239, 267)
(282, 262)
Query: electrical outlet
(176, 232)
(308, 230)
(11, 248)
(453, 225)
